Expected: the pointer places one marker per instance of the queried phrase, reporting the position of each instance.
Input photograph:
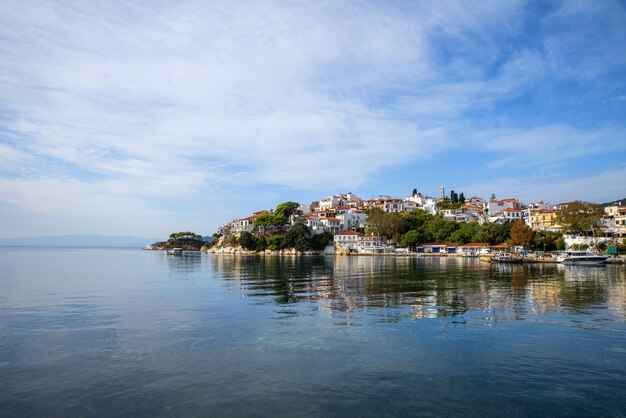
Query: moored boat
(581, 258)
(506, 258)
(174, 251)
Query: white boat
(174, 251)
(507, 258)
(581, 258)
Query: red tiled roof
(476, 244)
(348, 233)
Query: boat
(581, 258)
(506, 258)
(174, 251)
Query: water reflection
(414, 288)
(188, 262)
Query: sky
(145, 118)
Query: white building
(352, 219)
(347, 239)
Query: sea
(133, 333)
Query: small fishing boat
(506, 258)
(174, 251)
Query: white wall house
(511, 215)
(347, 239)
(427, 204)
(495, 206)
(352, 219)
(333, 225)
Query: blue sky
(131, 118)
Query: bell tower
(442, 192)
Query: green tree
(414, 192)
(412, 239)
(461, 198)
(286, 209)
(247, 241)
(269, 220)
(547, 241)
(275, 243)
(298, 237)
(493, 196)
(186, 235)
(465, 234)
(320, 241)
(580, 217)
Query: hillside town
(349, 220)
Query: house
(371, 244)
(333, 225)
(539, 205)
(352, 219)
(314, 225)
(475, 201)
(437, 247)
(544, 220)
(511, 215)
(620, 222)
(427, 204)
(362, 244)
(474, 248)
(494, 206)
(560, 206)
(347, 239)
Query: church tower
(442, 192)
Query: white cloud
(542, 146)
(121, 104)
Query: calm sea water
(100, 332)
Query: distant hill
(79, 241)
(621, 202)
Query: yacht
(174, 251)
(581, 258)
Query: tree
(493, 196)
(547, 241)
(414, 192)
(274, 243)
(411, 240)
(320, 241)
(521, 234)
(268, 219)
(453, 197)
(297, 237)
(461, 198)
(580, 217)
(186, 235)
(286, 209)
(248, 241)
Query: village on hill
(418, 223)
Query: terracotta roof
(348, 233)
(476, 244)
(331, 219)
(509, 210)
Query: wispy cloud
(555, 186)
(130, 104)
